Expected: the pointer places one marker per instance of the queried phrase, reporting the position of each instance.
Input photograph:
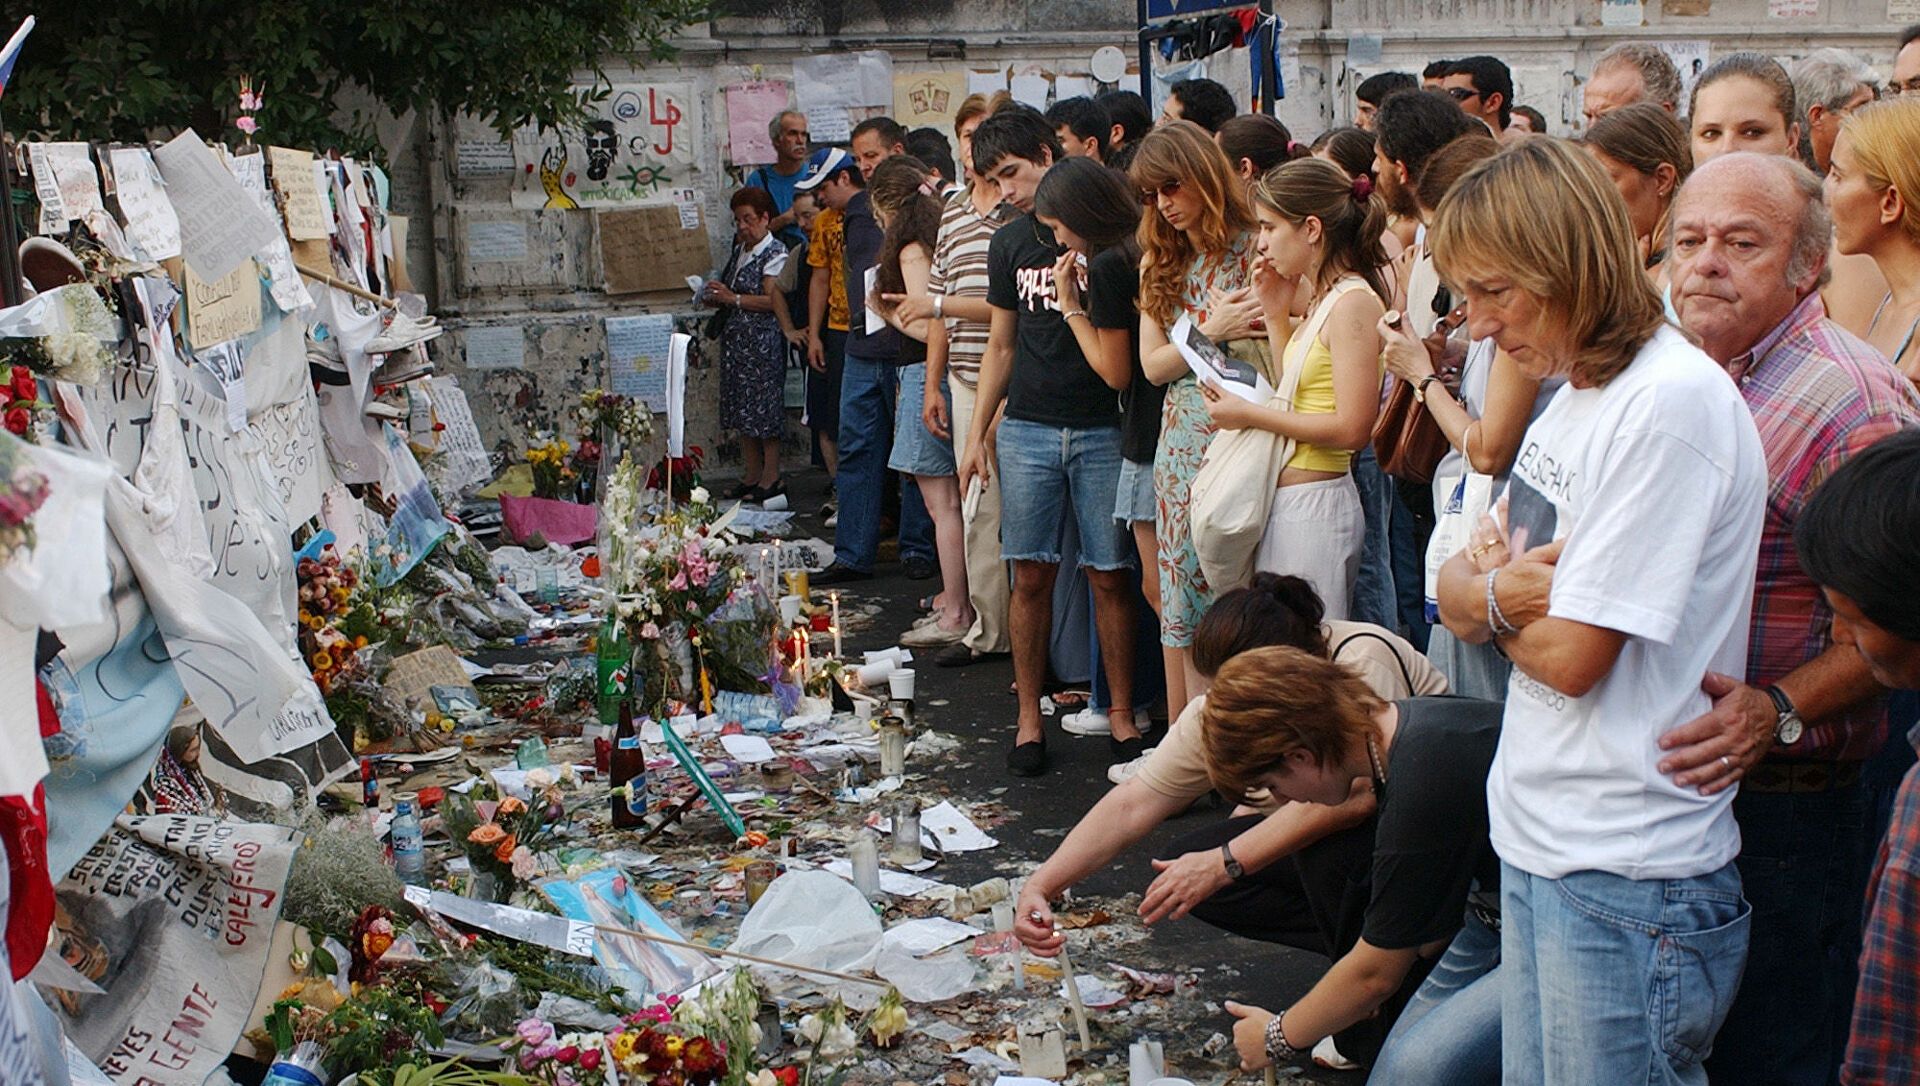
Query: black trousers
(1314, 900)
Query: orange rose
(505, 852)
(487, 833)
(512, 805)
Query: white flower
(539, 778)
(699, 495)
(762, 1077)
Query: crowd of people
(1567, 491)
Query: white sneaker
(832, 521)
(1329, 1057)
(931, 635)
(1122, 773)
(1086, 722)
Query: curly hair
(1183, 152)
(899, 188)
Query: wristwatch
(1788, 729)
(1420, 390)
(1280, 1052)
(1234, 870)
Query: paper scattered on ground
(897, 883)
(955, 831)
(1095, 992)
(926, 935)
(748, 748)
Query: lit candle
(836, 624)
(836, 642)
(806, 656)
(762, 570)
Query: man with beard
(1408, 129)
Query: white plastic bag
(1469, 498)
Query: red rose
(788, 1076)
(567, 1054)
(18, 419)
(24, 385)
(590, 1059)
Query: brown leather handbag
(1406, 439)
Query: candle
(836, 640)
(776, 563)
(836, 624)
(762, 570)
(806, 655)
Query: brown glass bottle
(629, 772)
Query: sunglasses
(1461, 94)
(1169, 188)
(1911, 86)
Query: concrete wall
(553, 299)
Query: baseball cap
(824, 164)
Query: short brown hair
(1643, 136)
(1267, 703)
(756, 198)
(978, 105)
(1449, 164)
(1543, 213)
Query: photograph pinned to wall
(751, 107)
(1691, 58)
(921, 99)
(641, 142)
(607, 897)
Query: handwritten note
(648, 249)
(222, 310)
(293, 177)
(220, 225)
(288, 289)
(459, 438)
(496, 242)
(637, 349)
(144, 209)
(66, 169)
(289, 434)
(496, 347)
(751, 107)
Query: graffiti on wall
(640, 147)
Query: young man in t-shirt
(1305, 729)
(835, 179)
(1058, 445)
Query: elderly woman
(1636, 503)
(753, 345)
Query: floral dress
(753, 353)
(1185, 431)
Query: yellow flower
(623, 1046)
(322, 661)
(673, 1046)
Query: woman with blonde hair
(1196, 256)
(1646, 156)
(1616, 570)
(1876, 163)
(1319, 233)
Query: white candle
(836, 642)
(773, 586)
(836, 624)
(806, 656)
(776, 565)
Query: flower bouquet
(23, 491)
(22, 411)
(553, 475)
(326, 598)
(503, 838)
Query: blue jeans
(1050, 473)
(1614, 980)
(1408, 529)
(1804, 867)
(1373, 595)
(1449, 1032)
(866, 437)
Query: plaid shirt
(1884, 1045)
(1818, 395)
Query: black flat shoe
(839, 574)
(1028, 759)
(1122, 751)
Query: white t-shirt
(1659, 481)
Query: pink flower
(546, 1051)
(247, 124)
(523, 865)
(528, 1060)
(650, 632)
(533, 1031)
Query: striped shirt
(1818, 396)
(1883, 1047)
(960, 270)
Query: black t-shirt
(1430, 849)
(1113, 301)
(864, 241)
(1051, 382)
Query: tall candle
(836, 623)
(836, 641)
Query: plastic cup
(901, 683)
(789, 610)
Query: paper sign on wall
(751, 107)
(222, 310)
(844, 79)
(220, 225)
(293, 178)
(651, 248)
(928, 98)
(644, 142)
(64, 171)
(144, 209)
(495, 347)
(637, 351)
(284, 282)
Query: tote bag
(1232, 493)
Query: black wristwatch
(1234, 870)
(1789, 727)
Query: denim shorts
(1047, 472)
(915, 450)
(1134, 503)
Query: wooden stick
(351, 288)
(1073, 997)
(717, 952)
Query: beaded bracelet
(1495, 620)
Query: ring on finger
(1727, 762)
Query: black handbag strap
(1406, 674)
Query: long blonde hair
(1183, 151)
(1544, 214)
(1885, 137)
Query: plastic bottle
(629, 772)
(614, 657)
(409, 856)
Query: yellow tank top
(1314, 396)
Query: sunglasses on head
(1167, 188)
(1461, 94)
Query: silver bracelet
(1280, 1051)
(1495, 620)
(939, 306)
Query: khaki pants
(987, 584)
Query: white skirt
(1315, 532)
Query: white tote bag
(1232, 493)
(1469, 496)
